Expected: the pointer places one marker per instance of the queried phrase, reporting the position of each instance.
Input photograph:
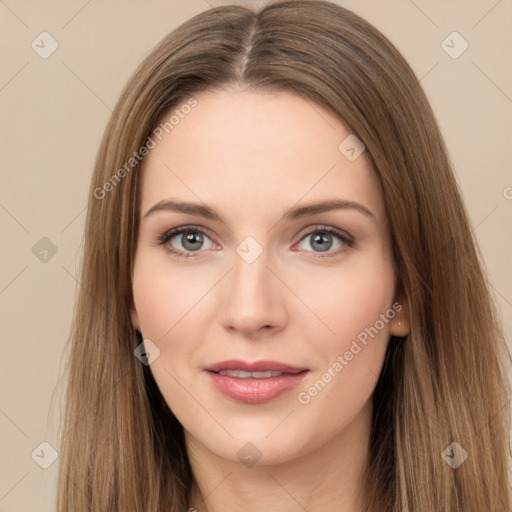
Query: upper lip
(256, 366)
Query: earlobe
(400, 324)
(399, 328)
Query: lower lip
(255, 391)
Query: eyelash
(165, 237)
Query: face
(303, 295)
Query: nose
(253, 297)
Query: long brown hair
(122, 448)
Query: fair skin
(251, 155)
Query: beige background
(54, 112)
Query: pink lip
(257, 366)
(253, 390)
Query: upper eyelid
(189, 227)
(324, 227)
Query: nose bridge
(251, 279)
(250, 274)
(254, 297)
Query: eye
(322, 239)
(188, 239)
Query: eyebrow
(289, 214)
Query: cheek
(350, 299)
(164, 301)
(152, 302)
(353, 306)
(164, 296)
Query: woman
(282, 302)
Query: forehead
(249, 150)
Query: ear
(134, 315)
(135, 318)
(400, 324)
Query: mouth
(254, 383)
(240, 374)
